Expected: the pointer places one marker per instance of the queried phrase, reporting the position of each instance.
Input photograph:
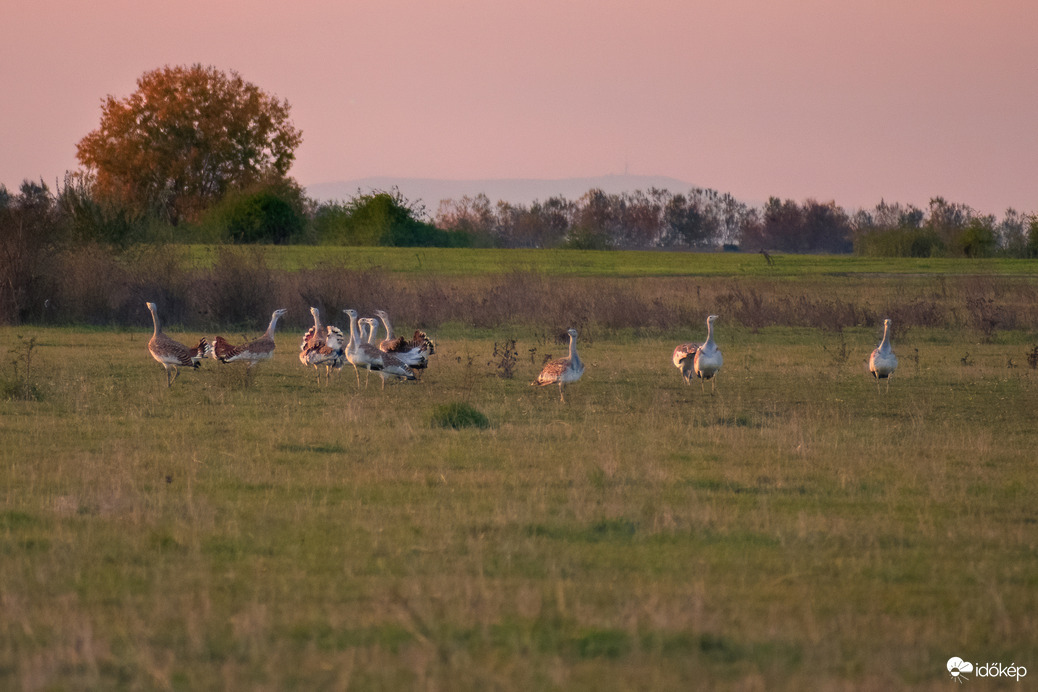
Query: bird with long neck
(359, 353)
(322, 346)
(252, 352)
(171, 353)
(414, 353)
(708, 359)
(699, 360)
(882, 361)
(391, 364)
(563, 370)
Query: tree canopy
(185, 138)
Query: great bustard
(252, 352)
(699, 360)
(322, 346)
(882, 361)
(359, 353)
(414, 353)
(391, 365)
(171, 353)
(563, 370)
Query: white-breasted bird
(563, 370)
(171, 353)
(699, 360)
(359, 353)
(252, 352)
(882, 361)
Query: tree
(185, 138)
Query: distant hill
(431, 191)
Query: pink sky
(852, 101)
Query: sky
(852, 101)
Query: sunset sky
(852, 101)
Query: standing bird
(252, 352)
(322, 346)
(563, 370)
(883, 362)
(391, 364)
(173, 354)
(702, 360)
(414, 353)
(360, 353)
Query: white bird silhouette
(882, 361)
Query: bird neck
(709, 343)
(389, 327)
(155, 320)
(884, 345)
(354, 335)
(273, 325)
(573, 357)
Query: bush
(268, 214)
(458, 415)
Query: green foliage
(977, 239)
(900, 242)
(458, 415)
(382, 218)
(270, 214)
(584, 238)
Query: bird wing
(552, 372)
(168, 350)
(684, 351)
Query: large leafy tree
(187, 137)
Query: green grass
(626, 263)
(796, 529)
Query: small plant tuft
(458, 415)
(1032, 358)
(21, 383)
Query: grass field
(794, 529)
(625, 263)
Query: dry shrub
(241, 287)
(156, 273)
(93, 285)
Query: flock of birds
(400, 358)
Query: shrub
(458, 415)
(267, 214)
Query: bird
(252, 352)
(322, 346)
(391, 364)
(563, 370)
(171, 353)
(882, 361)
(699, 360)
(414, 353)
(359, 353)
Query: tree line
(197, 155)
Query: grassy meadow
(795, 528)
